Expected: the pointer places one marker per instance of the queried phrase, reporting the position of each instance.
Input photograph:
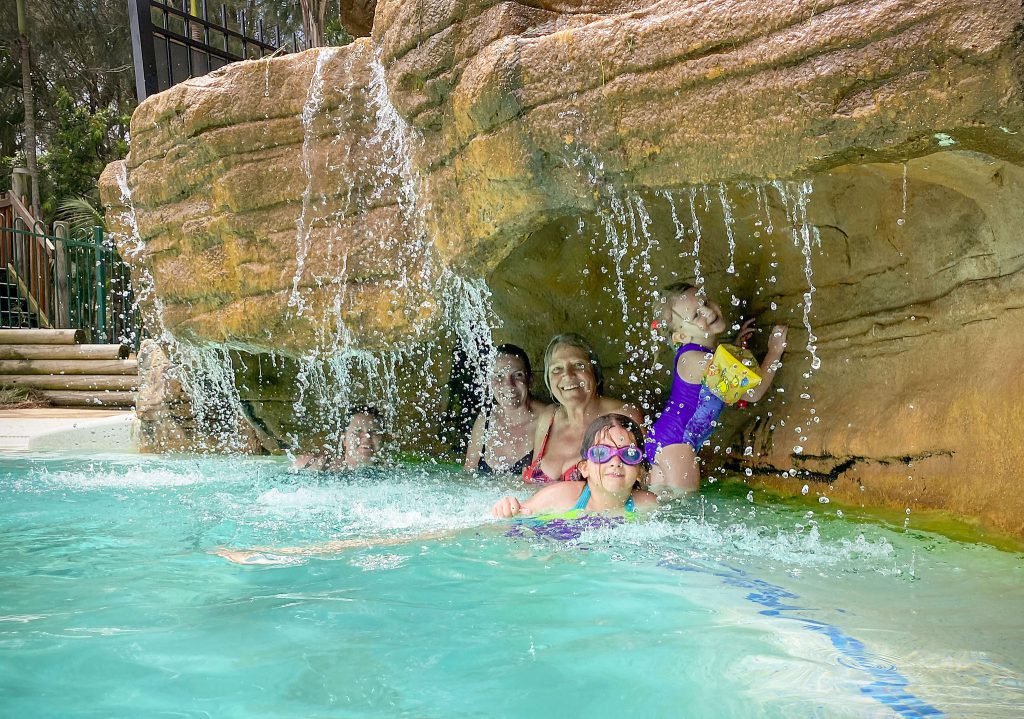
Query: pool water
(112, 603)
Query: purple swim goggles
(601, 453)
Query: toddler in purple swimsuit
(689, 416)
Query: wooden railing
(23, 257)
(61, 281)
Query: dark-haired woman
(502, 436)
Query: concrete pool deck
(61, 428)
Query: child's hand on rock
(777, 340)
(747, 330)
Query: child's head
(612, 453)
(687, 315)
(362, 436)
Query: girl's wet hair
(515, 351)
(676, 289)
(571, 339)
(607, 421)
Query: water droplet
(798, 449)
(822, 500)
(750, 496)
(805, 490)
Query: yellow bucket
(732, 373)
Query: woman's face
(362, 440)
(571, 375)
(509, 382)
(614, 475)
(693, 316)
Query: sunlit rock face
(524, 105)
(568, 153)
(268, 201)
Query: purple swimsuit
(689, 415)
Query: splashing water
(794, 198)
(206, 374)
(729, 222)
(134, 247)
(335, 372)
(304, 224)
(903, 209)
(698, 279)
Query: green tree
(81, 144)
(11, 117)
(28, 103)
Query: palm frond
(80, 214)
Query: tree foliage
(84, 85)
(80, 145)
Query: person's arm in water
(771, 363)
(274, 555)
(556, 497)
(476, 442)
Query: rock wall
(268, 201)
(916, 293)
(525, 107)
(568, 153)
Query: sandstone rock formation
(916, 294)
(570, 152)
(267, 195)
(523, 106)
(357, 16)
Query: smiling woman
(502, 437)
(572, 373)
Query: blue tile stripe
(888, 687)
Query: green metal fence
(66, 282)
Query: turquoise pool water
(112, 605)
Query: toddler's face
(693, 317)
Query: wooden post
(61, 311)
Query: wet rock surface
(554, 149)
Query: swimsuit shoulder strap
(483, 435)
(581, 503)
(533, 472)
(544, 445)
(690, 347)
